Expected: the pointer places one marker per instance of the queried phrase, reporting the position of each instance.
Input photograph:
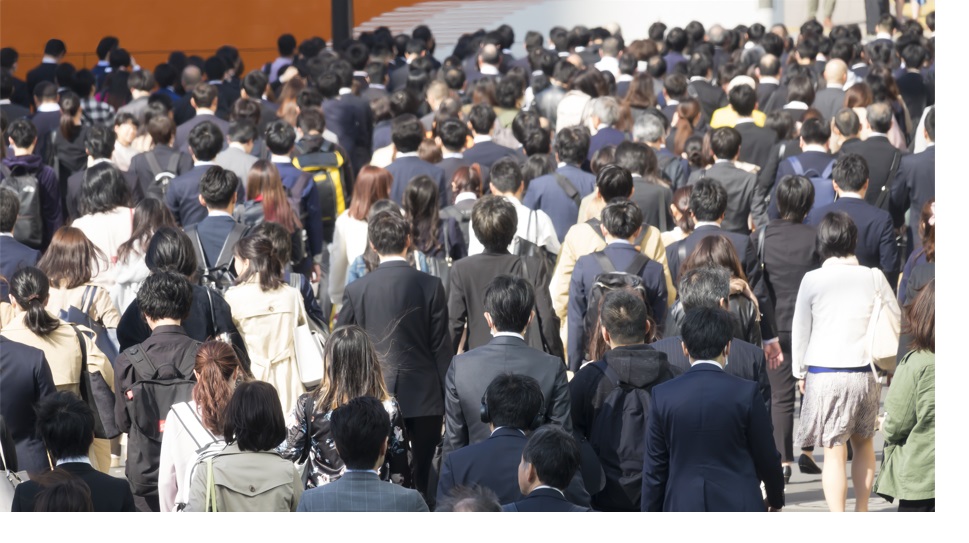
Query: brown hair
(681, 199)
(428, 151)
(372, 184)
(352, 369)
(264, 180)
(714, 251)
(920, 319)
(688, 113)
(217, 366)
(858, 95)
(71, 260)
(263, 262)
(927, 230)
(161, 129)
(466, 179)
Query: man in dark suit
(508, 304)
(740, 184)
(54, 52)
(407, 133)
(151, 168)
(61, 418)
(915, 184)
(47, 115)
(205, 101)
(378, 81)
(398, 76)
(217, 234)
(182, 198)
(831, 98)
(27, 380)
(558, 194)
(254, 87)
(514, 405)
(347, 115)
(756, 141)
(454, 137)
(652, 198)
(676, 42)
(675, 90)
(215, 75)
(880, 156)
(814, 162)
(876, 237)
(406, 310)
(9, 58)
(11, 110)
(13, 254)
(710, 96)
(621, 225)
(628, 364)
(912, 85)
(485, 151)
(605, 114)
(549, 462)
(360, 429)
(708, 437)
(769, 73)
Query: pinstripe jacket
(361, 491)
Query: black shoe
(787, 474)
(807, 465)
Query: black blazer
(26, 380)
(764, 92)
(404, 169)
(351, 119)
(829, 101)
(710, 96)
(544, 500)
(780, 151)
(182, 197)
(876, 246)
(181, 133)
(915, 93)
(756, 143)
(487, 153)
(213, 232)
(43, 72)
(405, 311)
(163, 153)
(109, 494)
(14, 111)
(914, 185)
(741, 187)
(878, 153)
(654, 201)
(13, 256)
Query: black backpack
(220, 275)
(161, 177)
(610, 279)
(525, 247)
(29, 228)
(326, 168)
(156, 389)
(619, 432)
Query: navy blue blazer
(350, 118)
(26, 380)
(583, 278)
(545, 193)
(404, 169)
(876, 246)
(914, 185)
(809, 160)
(606, 135)
(181, 133)
(487, 153)
(13, 256)
(309, 204)
(544, 500)
(182, 197)
(709, 444)
(213, 232)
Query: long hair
(688, 114)
(70, 105)
(920, 319)
(927, 229)
(31, 289)
(150, 214)
(217, 367)
(263, 262)
(372, 184)
(103, 189)
(714, 251)
(467, 179)
(264, 180)
(71, 259)
(681, 199)
(352, 369)
(421, 206)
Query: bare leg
(862, 470)
(834, 479)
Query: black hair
(725, 142)
(62, 492)
(22, 132)
(495, 222)
(554, 454)
(103, 189)
(676, 39)
(9, 209)
(635, 157)
(360, 429)
(215, 68)
(142, 80)
(614, 182)
(708, 201)
(357, 54)
(242, 131)
(506, 175)
(676, 85)
(850, 172)
(508, 92)
(407, 133)
(699, 65)
(377, 72)
(800, 89)
(31, 288)
(254, 417)
(482, 118)
(837, 236)
(622, 218)
(510, 301)
(388, 232)
(217, 187)
(170, 249)
(286, 45)
(105, 46)
(795, 197)
(46, 91)
(743, 100)
(165, 295)
(625, 316)
(453, 134)
(83, 83)
(815, 131)
(930, 122)
(205, 140)
(280, 137)
(165, 75)
(706, 332)
(55, 48)
(513, 401)
(572, 144)
(421, 205)
(65, 423)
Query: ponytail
(216, 364)
(263, 262)
(30, 288)
(70, 105)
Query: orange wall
(149, 33)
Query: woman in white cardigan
(831, 349)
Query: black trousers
(147, 504)
(424, 434)
(782, 387)
(874, 9)
(916, 506)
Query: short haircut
(850, 172)
(510, 301)
(704, 287)
(360, 428)
(622, 219)
(242, 131)
(254, 417)
(469, 499)
(624, 316)
(286, 45)
(388, 232)
(837, 235)
(706, 332)
(815, 131)
(453, 134)
(205, 140)
(65, 424)
(606, 109)
(508, 91)
(743, 100)
(280, 137)
(142, 80)
(55, 48)
(770, 66)
(708, 201)
(880, 117)
(847, 122)
(9, 209)
(675, 85)
(99, 141)
(800, 89)
(255, 83)
(930, 123)
(648, 129)
(204, 95)
(22, 132)
(554, 454)
(494, 221)
(482, 118)
(311, 119)
(725, 142)
(506, 175)
(215, 68)
(105, 46)
(170, 249)
(513, 401)
(407, 133)
(636, 157)
(572, 144)
(165, 295)
(217, 187)
(795, 197)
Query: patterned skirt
(836, 406)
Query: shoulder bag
(883, 330)
(308, 346)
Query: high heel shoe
(807, 465)
(787, 474)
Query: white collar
(741, 120)
(376, 86)
(769, 79)
(672, 102)
(488, 69)
(842, 260)
(449, 154)
(204, 163)
(698, 224)
(405, 155)
(509, 427)
(103, 63)
(92, 161)
(796, 105)
(813, 147)
(6, 234)
(552, 487)
(883, 36)
(218, 213)
(836, 85)
(48, 60)
(858, 65)
(345, 90)
(722, 160)
(877, 135)
(48, 107)
(204, 111)
(4, 102)
(619, 242)
(237, 145)
(711, 362)
(845, 194)
(508, 334)
(73, 460)
(392, 259)
(697, 78)
(358, 73)
(280, 159)
(461, 197)
(479, 139)
(624, 77)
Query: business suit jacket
(878, 152)
(710, 96)
(586, 269)
(350, 118)
(779, 152)
(810, 161)
(789, 253)
(654, 201)
(545, 193)
(163, 153)
(405, 311)
(606, 136)
(267, 114)
(13, 256)
(26, 380)
(451, 165)
(673, 167)
(487, 153)
(108, 494)
(183, 130)
(914, 91)
(404, 169)
(914, 185)
(14, 111)
(544, 500)
(182, 197)
(764, 92)
(373, 92)
(746, 361)
(237, 161)
(470, 374)
(741, 201)
(213, 232)
(361, 491)
(709, 444)
(45, 71)
(876, 246)
(756, 143)
(829, 101)
(398, 78)
(468, 279)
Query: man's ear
(685, 352)
(202, 200)
(726, 350)
(487, 317)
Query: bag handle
(80, 341)
(210, 488)
(872, 323)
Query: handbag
(97, 395)
(883, 331)
(309, 346)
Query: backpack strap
(87, 299)
(173, 162)
(153, 164)
(193, 234)
(761, 239)
(193, 425)
(546, 346)
(208, 292)
(829, 170)
(6, 171)
(887, 189)
(238, 230)
(140, 361)
(566, 185)
(638, 264)
(796, 164)
(681, 251)
(596, 225)
(607, 370)
(80, 341)
(604, 262)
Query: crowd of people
(603, 276)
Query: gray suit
(829, 101)
(740, 185)
(237, 161)
(361, 491)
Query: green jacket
(908, 467)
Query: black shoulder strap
(193, 234)
(636, 266)
(173, 162)
(887, 189)
(538, 315)
(80, 341)
(238, 230)
(153, 164)
(604, 262)
(208, 292)
(141, 362)
(6, 171)
(567, 186)
(607, 370)
(761, 239)
(596, 225)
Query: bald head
(489, 54)
(836, 71)
(191, 76)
